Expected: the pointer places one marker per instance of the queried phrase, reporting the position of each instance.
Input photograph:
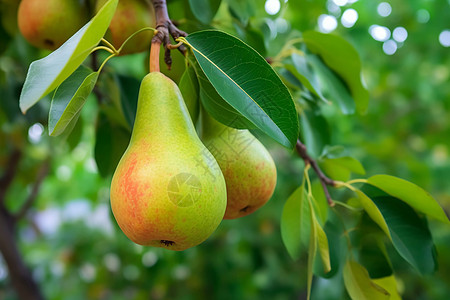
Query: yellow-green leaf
(359, 285)
(411, 194)
(373, 211)
(389, 284)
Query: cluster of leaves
(239, 88)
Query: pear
(48, 24)
(167, 190)
(130, 16)
(249, 170)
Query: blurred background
(69, 238)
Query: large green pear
(48, 24)
(167, 190)
(131, 16)
(249, 170)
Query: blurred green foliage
(73, 245)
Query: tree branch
(10, 172)
(165, 28)
(324, 180)
(43, 171)
(20, 276)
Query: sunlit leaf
(244, 79)
(359, 285)
(390, 285)
(340, 168)
(46, 74)
(322, 243)
(411, 194)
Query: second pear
(249, 170)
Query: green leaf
(129, 92)
(359, 285)
(320, 201)
(341, 168)
(204, 10)
(69, 99)
(411, 194)
(190, 90)
(295, 223)
(110, 144)
(322, 243)
(218, 108)
(389, 284)
(311, 250)
(410, 234)
(336, 247)
(244, 79)
(372, 251)
(333, 87)
(343, 59)
(372, 210)
(303, 72)
(49, 72)
(314, 132)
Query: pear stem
(165, 29)
(324, 180)
(154, 56)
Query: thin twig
(43, 171)
(324, 180)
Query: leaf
(295, 223)
(342, 58)
(332, 85)
(216, 106)
(314, 132)
(244, 79)
(69, 99)
(389, 284)
(372, 251)
(46, 74)
(303, 72)
(204, 10)
(311, 250)
(410, 234)
(341, 168)
(372, 210)
(322, 243)
(129, 92)
(411, 194)
(110, 143)
(190, 90)
(359, 285)
(320, 201)
(336, 248)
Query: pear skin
(130, 16)
(249, 170)
(48, 24)
(167, 190)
